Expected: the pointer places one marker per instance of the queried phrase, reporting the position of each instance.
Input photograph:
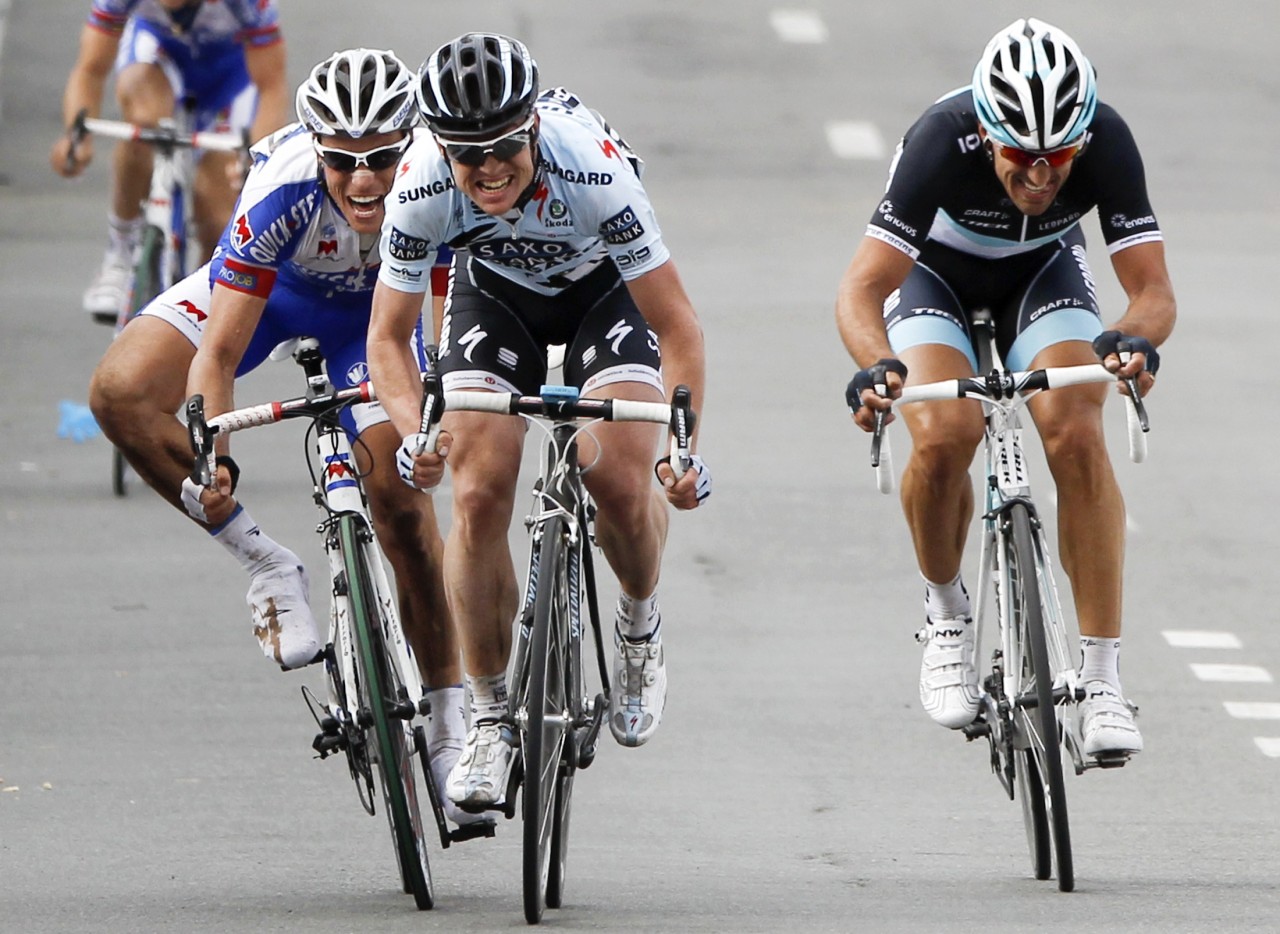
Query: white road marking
(855, 139)
(1270, 745)
(1251, 673)
(798, 26)
(1253, 710)
(1201, 639)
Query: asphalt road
(156, 771)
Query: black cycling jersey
(942, 189)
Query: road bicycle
(556, 713)
(168, 249)
(376, 704)
(1027, 712)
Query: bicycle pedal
(328, 743)
(978, 729)
(1111, 760)
(473, 831)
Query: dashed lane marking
(1253, 710)
(1201, 639)
(855, 139)
(798, 26)
(1241, 673)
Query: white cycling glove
(405, 455)
(191, 500)
(703, 487)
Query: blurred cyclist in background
(227, 56)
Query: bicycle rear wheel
(385, 714)
(546, 727)
(1038, 719)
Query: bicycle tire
(1043, 721)
(545, 727)
(379, 688)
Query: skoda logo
(557, 208)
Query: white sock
(945, 601)
(255, 551)
(637, 620)
(1100, 660)
(122, 235)
(448, 722)
(488, 696)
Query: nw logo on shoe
(949, 633)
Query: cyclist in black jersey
(982, 210)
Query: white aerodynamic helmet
(1033, 88)
(358, 92)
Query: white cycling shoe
(443, 757)
(478, 780)
(1107, 721)
(639, 692)
(107, 294)
(279, 601)
(948, 675)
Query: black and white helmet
(1033, 88)
(356, 93)
(477, 86)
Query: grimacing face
(361, 194)
(497, 184)
(1032, 189)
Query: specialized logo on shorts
(622, 228)
(470, 340)
(357, 373)
(406, 248)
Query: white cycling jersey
(587, 207)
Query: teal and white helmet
(1033, 88)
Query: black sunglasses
(376, 160)
(503, 150)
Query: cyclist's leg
(1058, 318)
(928, 330)
(631, 513)
(135, 392)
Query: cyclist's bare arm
(85, 87)
(266, 67)
(1152, 308)
(392, 367)
(661, 298)
(874, 272)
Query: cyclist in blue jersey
(299, 259)
(555, 243)
(228, 56)
(982, 210)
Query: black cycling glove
(870, 378)
(1115, 342)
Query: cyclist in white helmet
(982, 210)
(227, 56)
(300, 257)
(556, 244)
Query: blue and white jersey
(588, 207)
(214, 25)
(286, 226)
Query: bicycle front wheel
(546, 725)
(385, 712)
(1039, 728)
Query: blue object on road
(76, 422)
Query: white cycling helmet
(1033, 88)
(358, 92)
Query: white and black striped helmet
(1033, 88)
(477, 86)
(358, 92)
